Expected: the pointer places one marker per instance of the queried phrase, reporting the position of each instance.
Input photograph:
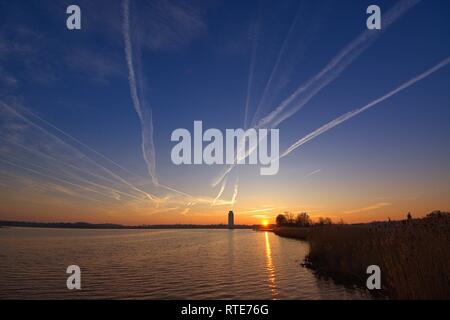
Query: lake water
(159, 264)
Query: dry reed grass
(414, 255)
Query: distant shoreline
(106, 226)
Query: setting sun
(265, 223)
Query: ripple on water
(159, 264)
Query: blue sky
(207, 60)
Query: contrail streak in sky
(334, 68)
(351, 114)
(76, 168)
(222, 189)
(275, 67)
(82, 144)
(313, 173)
(235, 193)
(57, 179)
(145, 115)
(59, 140)
(250, 75)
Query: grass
(414, 255)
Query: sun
(265, 223)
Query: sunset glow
(97, 146)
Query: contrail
(222, 175)
(250, 75)
(106, 158)
(76, 168)
(45, 131)
(82, 144)
(145, 115)
(275, 67)
(176, 191)
(153, 197)
(235, 193)
(51, 186)
(222, 189)
(113, 193)
(55, 178)
(335, 67)
(353, 113)
(313, 173)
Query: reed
(414, 255)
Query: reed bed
(413, 255)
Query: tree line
(301, 220)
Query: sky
(86, 115)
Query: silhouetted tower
(230, 220)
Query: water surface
(159, 264)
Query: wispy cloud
(369, 208)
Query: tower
(230, 220)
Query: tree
(324, 221)
(409, 216)
(303, 219)
(438, 214)
(290, 218)
(281, 220)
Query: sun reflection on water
(270, 268)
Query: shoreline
(298, 233)
(413, 255)
(93, 226)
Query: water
(159, 264)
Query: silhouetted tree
(324, 221)
(409, 216)
(303, 220)
(281, 220)
(438, 214)
(290, 218)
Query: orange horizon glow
(242, 217)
